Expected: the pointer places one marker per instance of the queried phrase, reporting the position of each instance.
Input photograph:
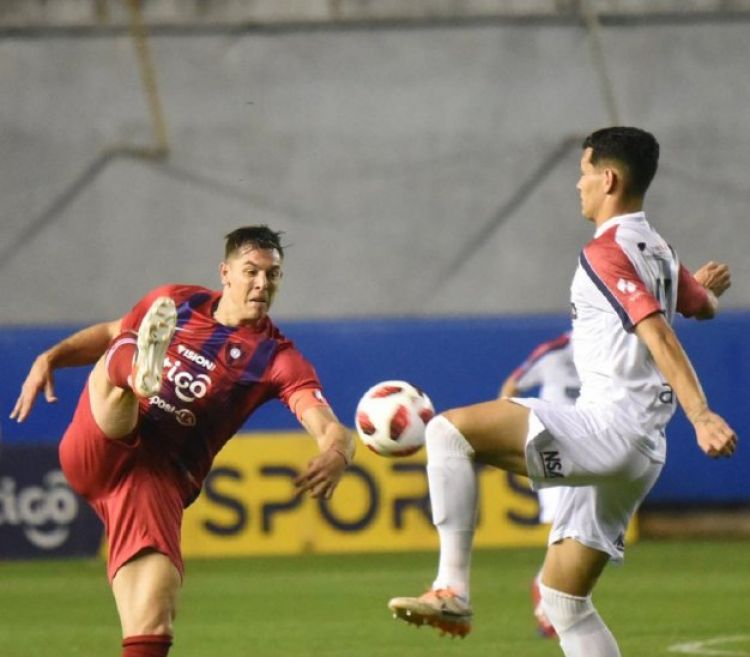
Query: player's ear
(611, 180)
(224, 273)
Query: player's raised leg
(131, 368)
(493, 433)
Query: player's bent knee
(581, 630)
(460, 419)
(442, 437)
(565, 610)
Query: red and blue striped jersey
(215, 376)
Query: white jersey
(550, 366)
(626, 273)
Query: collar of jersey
(619, 219)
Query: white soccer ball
(391, 418)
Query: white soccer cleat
(439, 608)
(154, 335)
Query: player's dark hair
(634, 149)
(261, 237)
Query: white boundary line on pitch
(706, 647)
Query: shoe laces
(446, 593)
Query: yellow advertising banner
(249, 507)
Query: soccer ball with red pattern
(391, 418)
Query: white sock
(581, 630)
(453, 496)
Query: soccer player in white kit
(607, 450)
(550, 368)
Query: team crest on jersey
(626, 287)
(235, 353)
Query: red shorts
(134, 493)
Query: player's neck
(615, 207)
(226, 315)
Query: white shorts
(549, 498)
(603, 475)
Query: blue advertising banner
(39, 514)
(457, 361)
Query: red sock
(119, 360)
(146, 645)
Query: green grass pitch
(667, 593)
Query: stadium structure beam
(29, 15)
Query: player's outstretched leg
(494, 431)
(439, 608)
(154, 334)
(453, 496)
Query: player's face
(251, 278)
(591, 187)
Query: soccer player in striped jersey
(609, 448)
(550, 368)
(174, 379)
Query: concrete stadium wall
(392, 157)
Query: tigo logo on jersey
(626, 287)
(187, 386)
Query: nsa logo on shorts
(552, 464)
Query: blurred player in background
(174, 379)
(550, 368)
(609, 448)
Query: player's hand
(39, 378)
(322, 475)
(715, 437)
(714, 276)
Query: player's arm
(509, 388)
(82, 348)
(715, 437)
(699, 292)
(336, 446)
(715, 277)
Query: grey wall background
(391, 155)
